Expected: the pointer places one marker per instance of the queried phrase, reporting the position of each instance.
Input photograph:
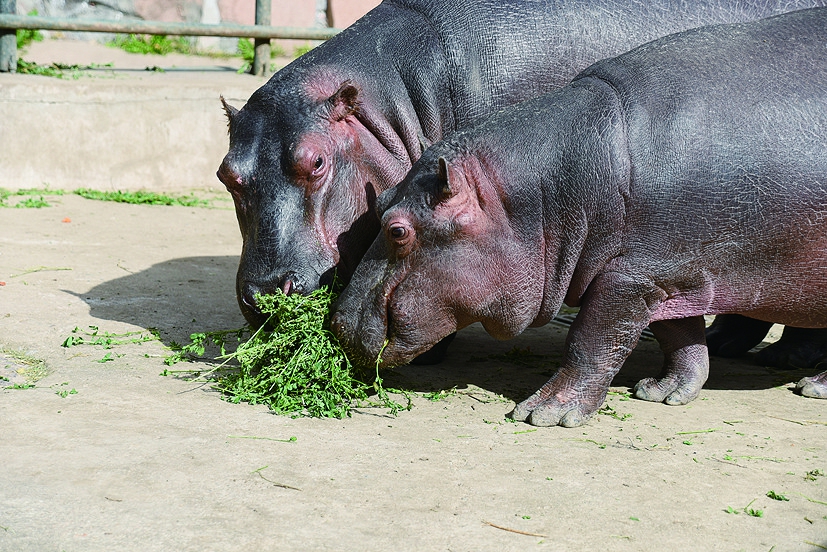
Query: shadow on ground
(196, 294)
(178, 297)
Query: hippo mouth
(400, 345)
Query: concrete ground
(104, 453)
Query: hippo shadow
(177, 297)
(197, 294)
(517, 368)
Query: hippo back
(402, 77)
(727, 133)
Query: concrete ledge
(118, 129)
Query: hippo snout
(288, 283)
(337, 324)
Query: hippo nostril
(290, 283)
(248, 299)
(337, 324)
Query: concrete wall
(162, 134)
(155, 132)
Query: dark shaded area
(178, 297)
(196, 294)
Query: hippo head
(448, 255)
(304, 171)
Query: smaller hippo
(683, 178)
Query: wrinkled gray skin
(314, 147)
(684, 178)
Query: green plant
(607, 410)
(776, 496)
(27, 36)
(33, 203)
(32, 368)
(812, 475)
(746, 509)
(141, 198)
(293, 364)
(57, 70)
(247, 51)
(31, 197)
(152, 44)
(301, 50)
(107, 340)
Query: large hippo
(686, 177)
(314, 147)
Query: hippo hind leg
(686, 362)
(732, 335)
(797, 348)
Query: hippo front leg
(686, 362)
(613, 313)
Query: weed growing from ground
(27, 36)
(247, 51)
(153, 44)
(293, 364)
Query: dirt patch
(136, 461)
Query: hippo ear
(229, 111)
(344, 102)
(444, 186)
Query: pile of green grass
(293, 364)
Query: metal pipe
(261, 57)
(161, 28)
(8, 39)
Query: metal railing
(262, 31)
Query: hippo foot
(686, 363)
(815, 387)
(732, 335)
(797, 348)
(669, 390)
(435, 354)
(555, 404)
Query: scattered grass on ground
(746, 509)
(36, 197)
(27, 197)
(94, 336)
(31, 368)
(56, 70)
(777, 496)
(142, 198)
(293, 364)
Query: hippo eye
(398, 232)
(318, 164)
